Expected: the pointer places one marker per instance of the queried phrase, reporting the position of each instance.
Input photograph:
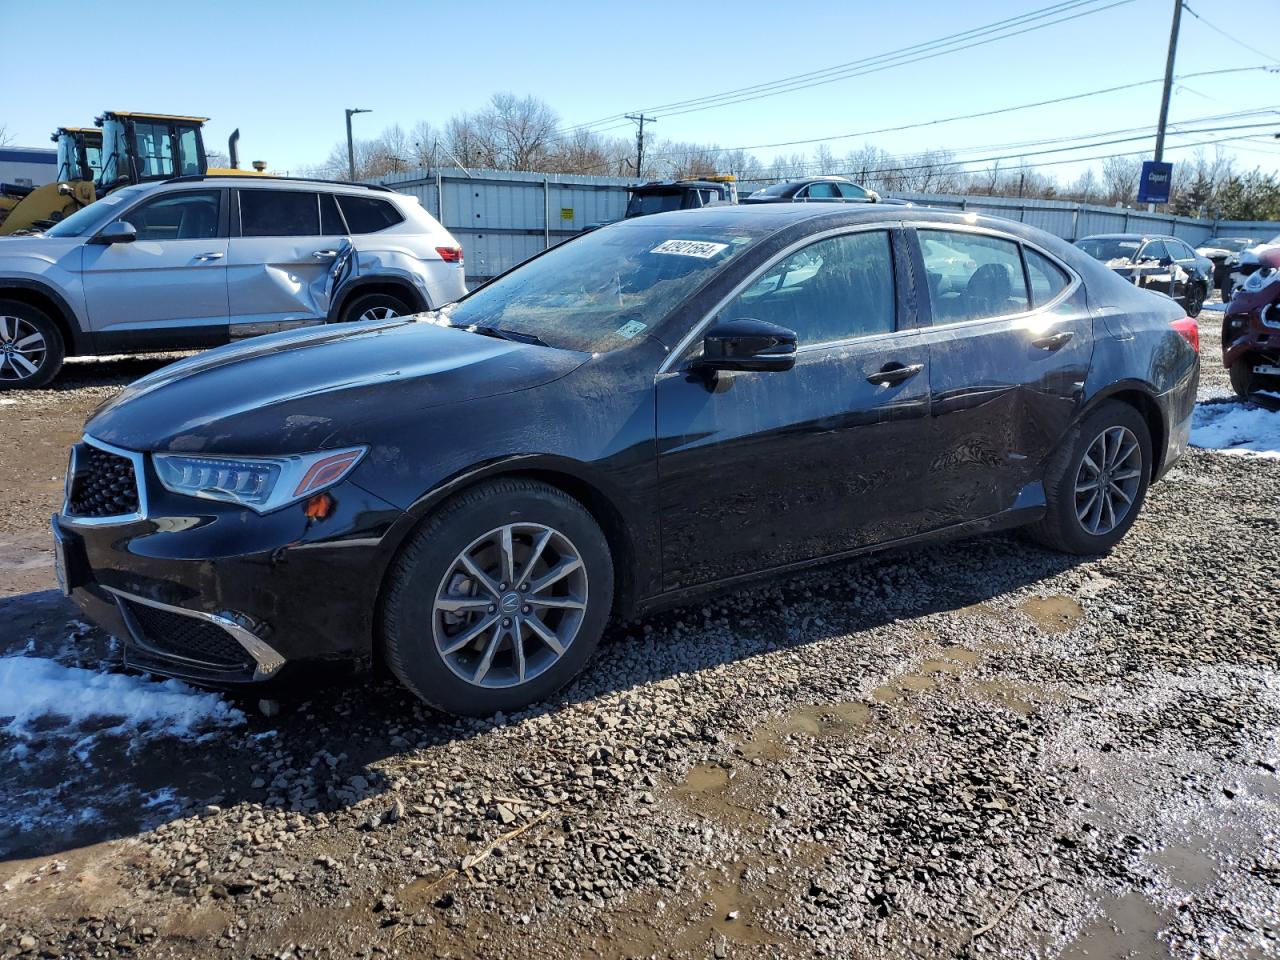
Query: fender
(81, 341)
(358, 284)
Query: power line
(1221, 32)
(989, 33)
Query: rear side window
(822, 191)
(972, 276)
(1047, 278)
(852, 192)
(279, 213)
(369, 214)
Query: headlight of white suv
(260, 483)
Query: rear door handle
(210, 256)
(325, 254)
(892, 373)
(1054, 342)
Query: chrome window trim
(685, 342)
(139, 481)
(266, 658)
(1066, 291)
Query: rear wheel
(499, 599)
(31, 347)
(1196, 295)
(375, 306)
(1096, 483)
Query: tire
(34, 365)
(1196, 295)
(420, 637)
(375, 306)
(1241, 373)
(1062, 528)
(1225, 292)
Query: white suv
(199, 261)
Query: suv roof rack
(197, 177)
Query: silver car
(199, 261)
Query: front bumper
(221, 596)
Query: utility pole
(351, 149)
(640, 119)
(1168, 86)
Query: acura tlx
(658, 408)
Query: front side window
(369, 214)
(972, 276)
(279, 213)
(602, 289)
(834, 289)
(1154, 250)
(177, 216)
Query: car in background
(199, 261)
(640, 415)
(814, 190)
(1221, 251)
(1155, 262)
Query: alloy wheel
(22, 349)
(510, 605)
(1108, 480)
(379, 313)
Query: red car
(1251, 333)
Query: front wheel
(499, 599)
(1096, 483)
(374, 306)
(31, 347)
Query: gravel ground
(974, 749)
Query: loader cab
(79, 153)
(139, 147)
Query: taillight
(1190, 331)
(450, 254)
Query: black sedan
(662, 407)
(814, 190)
(1163, 264)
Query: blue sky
(283, 71)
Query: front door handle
(892, 373)
(1054, 342)
(210, 256)
(325, 254)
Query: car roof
(769, 217)
(1128, 236)
(254, 181)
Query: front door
(280, 259)
(168, 288)
(759, 470)
(1011, 341)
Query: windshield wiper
(503, 333)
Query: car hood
(317, 388)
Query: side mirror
(119, 231)
(747, 344)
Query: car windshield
(643, 204)
(96, 215)
(1230, 244)
(599, 290)
(1109, 248)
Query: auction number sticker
(703, 249)
(630, 329)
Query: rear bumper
(1177, 407)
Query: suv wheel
(1096, 482)
(375, 306)
(499, 598)
(31, 347)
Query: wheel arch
(392, 286)
(49, 301)
(1142, 398)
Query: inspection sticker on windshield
(630, 329)
(690, 248)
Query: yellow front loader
(79, 164)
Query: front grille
(188, 637)
(103, 485)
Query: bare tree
(5, 137)
(1120, 177)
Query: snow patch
(35, 689)
(1237, 428)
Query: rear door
(283, 246)
(167, 289)
(1011, 340)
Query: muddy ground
(974, 749)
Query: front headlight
(260, 483)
